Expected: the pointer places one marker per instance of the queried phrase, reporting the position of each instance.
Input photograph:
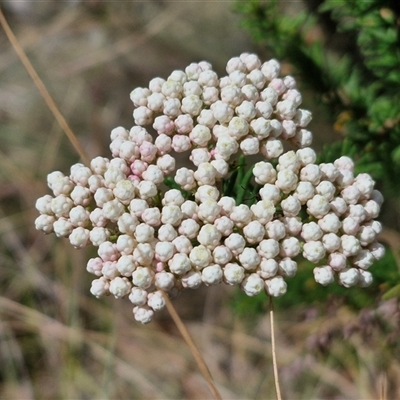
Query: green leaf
(392, 293)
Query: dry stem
(196, 354)
(42, 89)
(274, 362)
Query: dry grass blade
(196, 354)
(274, 361)
(42, 89)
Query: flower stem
(42, 89)
(274, 362)
(196, 354)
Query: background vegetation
(56, 340)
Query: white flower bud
(249, 258)
(156, 300)
(212, 275)
(311, 232)
(331, 242)
(142, 277)
(179, 264)
(236, 243)
(290, 247)
(349, 277)
(318, 206)
(264, 173)
(323, 275)
(79, 237)
(233, 274)
(143, 314)
(164, 280)
(268, 268)
(100, 287)
(254, 232)
(287, 267)
(350, 245)
(209, 236)
(192, 280)
(313, 251)
(252, 285)
(45, 223)
(268, 248)
(120, 287)
(276, 286)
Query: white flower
(171, 214)
(226, 146)
(349, 277)
(350, 245)
(263, 211)
(366, 235)
(200, 257)
(254, 232)
(209, 236)
(272, 148)
(200, 155)
(144, 233)
(287, 267)
(275, 229)
(167, 233)
(293, 225)
(291, 206)
(206, 192)
(241, 215)
(152, 216)
(330, 223)
(139, 96)
(191, 105)
(164, 280)
(97, 235)
(337, 261)
(221, 255)
(143, 314)
(377, 250)
(127, 223)
(156, 300)
(311, 173)
(138, 296)
(205, 174)
(264, 173)
(209, 210)
(79, 237)
(326, 189)
(233, 274)
(238, 127)
(331, 242)
(323, 275)
(221, 167)
(236, 243)
(252, 285)
(287, 180)
(44, 223)
(212, 275)
(268, 248)
(267, 268)
(125, 265)
(62, 227)
(250, 145)
(364, 278)
(61, 205)
(143, 254)
(249, 258)
(200, 135)
(189, 228)
(192, 280)
(262, 126)
(364, 259)
(120, 287)
(100, 287)
(227, 205)
(166, 163)
(79, 216)
(290, 247)
(304, 191)
(179, 264)
(185, 178)
(338, 206)
(142, 277)
(270, 192)
(107, 251)
(164, 251)
(276, 286)
(311, 231)
(222, 112)
(313, 251)
(318, 206)
(351, 194)
(81, 196)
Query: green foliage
(359, 82)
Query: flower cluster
(153, 240)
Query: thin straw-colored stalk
(42, 89)
(196, 354)
(274, 361)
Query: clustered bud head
(151, 240)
